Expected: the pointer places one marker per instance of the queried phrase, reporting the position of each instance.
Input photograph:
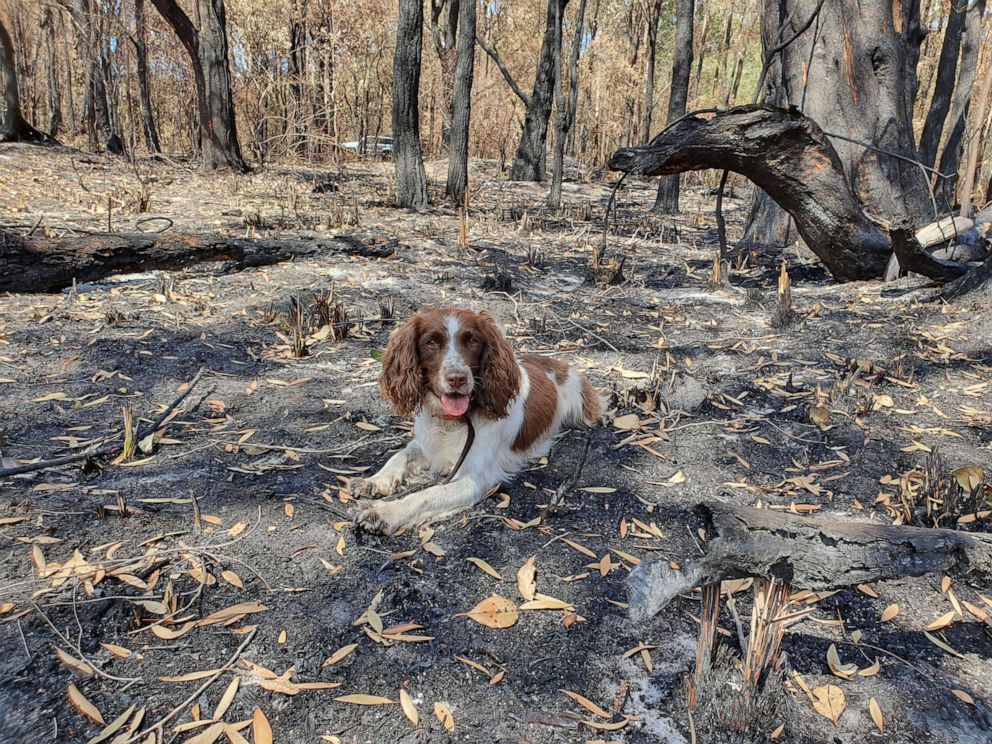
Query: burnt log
(36, 264)
(792, 160)
(807, 552)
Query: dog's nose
(457, 379)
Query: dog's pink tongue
(454, 404)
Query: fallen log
(39, 264)
(806, 552)
(793, 161)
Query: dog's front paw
(370, 519)
(362, 488)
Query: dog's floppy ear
(499, 375)
(401, 380)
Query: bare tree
(940, 104)
(566, 112)
(461, 104)
(444, 32)
(652, 52)
(411, 181)
(667, 200)
(141, 67)
(530, 160)
(13, 126)
(207, 50)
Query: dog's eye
(473, 342)
(431, 343)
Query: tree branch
(502, 68)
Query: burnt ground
(261, 449)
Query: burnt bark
(792, 159)
(411, 180)
(101, 106)
(667, 199)
(950, 157)
(652, 53)
(50, 264)
(13, 126)
(940, 104)
(144, 91)
(531, 159)
(445, 34)
(566, 111)
(461, 104)
(808, 552)
(208, 52)
(54, 84)
(854, 72)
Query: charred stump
(792, 160)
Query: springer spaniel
(451, 367)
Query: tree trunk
(807, 552)
(444, 32)
(530, 160)
(667, 200)
(566, 112)
(790, 157)
(144, 91)
(652, 53)
(950, 157)
(461, 104)
(207, 50)
(101, 106)
(411, 181)
(54, 86)
(854, 72)
(940, 104)
(975, 143)
(13, 126)
(52, 264)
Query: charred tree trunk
(531, 158)
(13, 126)
(444, 32)
(667, 200)
(854, 72)
(297, 60)
(101, 106)
(207, 50)
(411, 181)
(812, 553)
(54, 85)
(940, 104)
(790, 157)
(950, 157)
(51, 264)
(461, 104)
(652, 53)
(566, 111)
(144, 92)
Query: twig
(594, 335)
(79, 651)
(199, 691)
(559, 498)
(110, 448)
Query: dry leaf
(83, 706)
(444, 716)
(963, 696)
(112, 728)
(608, 726)
(588, 704)
(409, 709)
(829, 702)
(232, 578)
(360, 699)
(876, 714)
(777, 732)
(190, 676)
(227, 698)
(940, 644)
(943, 621)
(282, 637)
(261, 731)
(541, 602)
(627, 423)
(527, 578)
(339, 654)
(870, 671)
(493, 612)
(969, 477)
(76, 665)
(208, 735)
(890, 612)
(481, 564)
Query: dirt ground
(234, 557)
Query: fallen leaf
(940, 644)
(527, 578)
(190, 676)
(963, 696)
(261, 731)
(969, 477)
(481, 564)
(112, 727)
(409, 709)
(339, 654)
(493, 612)
(943, 621)
(76, 665)
(627, 423)
(227, 698)
(360, 699)
(607, 726)
(232, 578)
(83, 706)
(890, 612)
(444, 716)
(829, 702)
(876, 714)
(208, 735)
(541, 602)
(588, 704)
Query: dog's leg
(408, 462)
(388, 517)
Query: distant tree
(141, 65)
(531, 158)
(566, 111)
(461, 103)
(13, 126)
(411, 181)
(207, 50)
(667, 200)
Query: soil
(241, 498)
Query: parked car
(370, 146)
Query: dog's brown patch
(592, 404)
(542, 401)
(547, 365)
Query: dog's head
(449, 361)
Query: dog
(455, 372)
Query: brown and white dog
(444, 366)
